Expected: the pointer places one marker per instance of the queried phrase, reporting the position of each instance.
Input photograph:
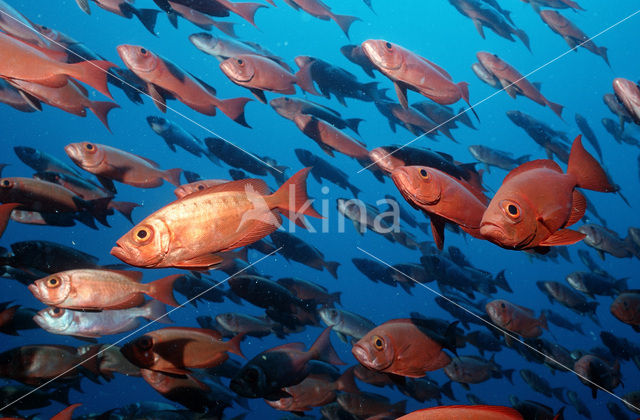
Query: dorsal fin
(326, 108)
(135, 276)
(524, 309)
(533, 164)
(176, 71)
(289, 346)
(438, 68)
(207, 86)
(258, 185)
(578, 208)
(149, 161)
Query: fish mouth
(491, 231)
(119, 252)
(361, 355)
(228, 69)
(371, 51)
(34, 289)
(72, 151)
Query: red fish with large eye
(513, 82)
(443, 198)
(537, 202)
(408, 70)
(628, 93)
(516, 319)
(405, 347)
(258, 74)
(110, 164)
(626, 308)
(163, 76)
(178, 349)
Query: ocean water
(433, 29)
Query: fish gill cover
(339, 210)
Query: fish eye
(145, 343)
(424, 174)
(378, 342)
(228, 317)
(240, 61)
(388, 45)
(53, 282)
(624, 303)
(143, 51)
(511, 209)
(6, 183)
(200, 187)
(90, 147)
(251, 375)
(57, 312)
(502, 305)
(142, 234)
(286, 99)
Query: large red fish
(462, 412)
(24, 62)
(443, 198)
(190, 231)
(94, 289)
(403, 347)
(537, 202)
(163, 76)
(516, 319)
(178, 349)
(626, 308)
(571, 33)
(110, 164)
(513, 82)
(258, 74)
(407, 70)
(628, 93)
(71, 98)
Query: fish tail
(509, 374)
(84, 6)
(354, 190)
(344, 22)
(588, 172)
(5, 215)
(172, 176)
(347, 383)
(292, 197)
(332, 268)
(464, 92)
(304, 79)
(447, 391)
(602, 52)
(523, 159)
(247, 11)
(162, 289)
(523, 37)
(353, 123)
(335, 297)
(233, 345)
(148, 18)
(501, 282)
(101, 109)
(556, 108)
(92, 72)
(226, 27)
(156, 311)
(90, 358)
(323, 350)
(543, 321)
(559, 394)
(234, 109)
(124, 207)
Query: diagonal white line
(139, 329)
(503, 89)
(143, 93)
(503, 331)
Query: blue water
(433, 29)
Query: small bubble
(324, 190)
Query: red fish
(94, 289)
(443, 198)
(403, 347)
(626, 308)
(24, 62)
(163, 76)
(71, 98)
(537, 202)
(258, 74)
(516, 319)
(178, 349)
(330, 138)
(408, 70)
(190, 231)
(571, 33)
(318, 9)
(513, 82)
(110, 164)
(628, 93)
(597, 371)
(463, 412)
(221, 8)
(199, 19)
